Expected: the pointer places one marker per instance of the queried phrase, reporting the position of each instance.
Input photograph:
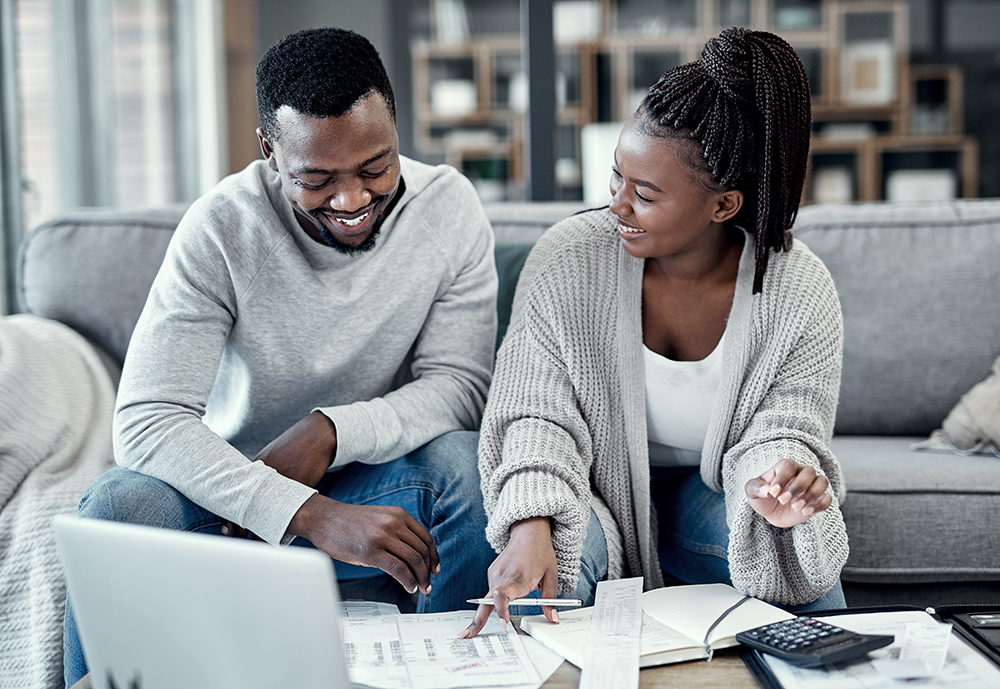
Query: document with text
(424, 652)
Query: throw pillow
(973, 425)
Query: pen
(561, 602)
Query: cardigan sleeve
(535, 448)
(794, 420)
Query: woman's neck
(712, 261)
(686, 298)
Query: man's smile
(348, 225)
(355, 221)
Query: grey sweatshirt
(250, 325)
(566, 422)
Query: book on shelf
(675, 623)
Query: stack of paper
(675, 621)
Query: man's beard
(347, 249)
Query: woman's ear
(729, 204)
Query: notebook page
(692, 609)
(753, 613)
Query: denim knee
(458, 451)
(451, 462)
(123, 495)
(593, 562)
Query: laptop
(165, 609)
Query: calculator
(808, 642)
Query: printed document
(675, 620)
(424, 652)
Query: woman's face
(663, 208)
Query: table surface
(726, 670)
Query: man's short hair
(321, 73)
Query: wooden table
(726, 670)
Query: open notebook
(675, 621)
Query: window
(117, 103)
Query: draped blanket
(56, 404)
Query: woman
(679, 329)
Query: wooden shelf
(866, 40)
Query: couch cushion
(524, 222)
(92, 270)
(919, 286)
(918, 516)
(510, 260)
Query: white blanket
(56, 404)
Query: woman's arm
(777, 552)
(535, 447)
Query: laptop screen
(158, 608)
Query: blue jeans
(694, 538)
(437, 484)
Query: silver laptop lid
(165, 609)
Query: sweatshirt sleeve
(452, 359)
(535, 447)
(171, 366)
(794, 420)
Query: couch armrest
(92, 270)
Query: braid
(746, 104)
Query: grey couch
(920, 291)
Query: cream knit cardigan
(565, 422)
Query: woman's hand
(526, 564)
(788, 493)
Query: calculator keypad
(797, 634)
(808, 642)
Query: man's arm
(175, 354)
(173, 359)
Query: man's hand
(527, 563)
(304, 452)
(788, 494)
(385, 537)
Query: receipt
(611, 652)
(923, 652)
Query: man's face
(341, 174)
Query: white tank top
(679, 400)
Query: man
(322, 323)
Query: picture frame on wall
(868, 73)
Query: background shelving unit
(882, 128)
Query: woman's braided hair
(745, 102)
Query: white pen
(560, 602)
